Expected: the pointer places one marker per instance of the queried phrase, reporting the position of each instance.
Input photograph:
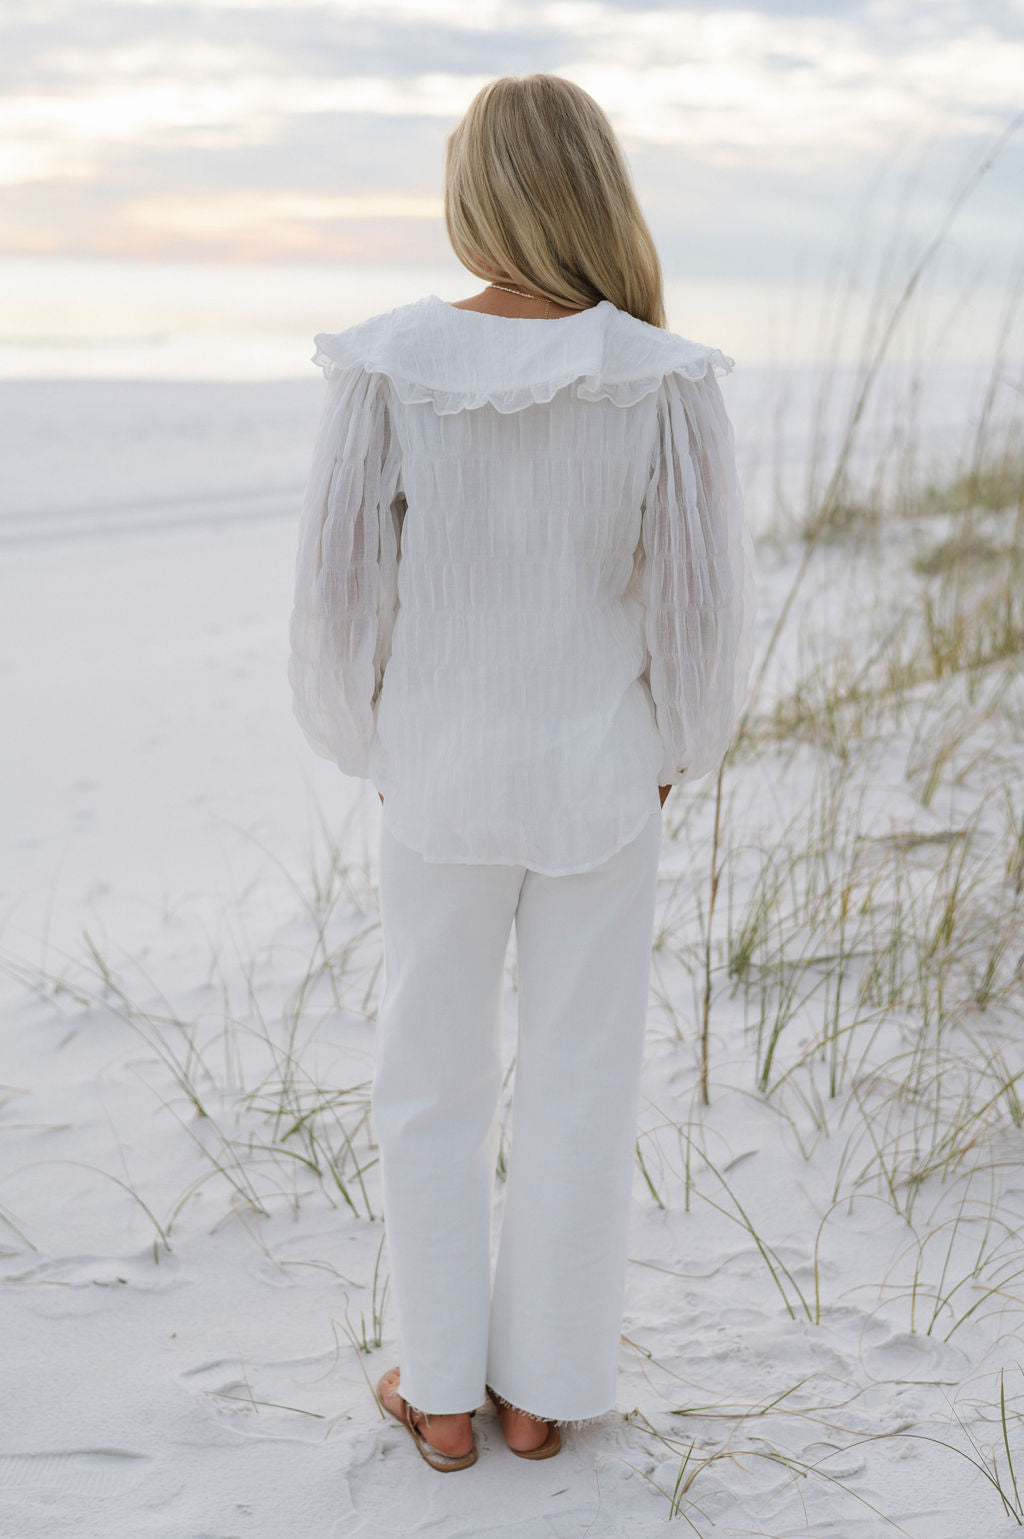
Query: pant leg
(436, 1089)
(584, 955)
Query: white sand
(162, 823)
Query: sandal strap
(421, 1437)
(426, 1448)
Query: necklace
(523, 294)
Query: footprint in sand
(84, 1471)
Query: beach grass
(837, 990)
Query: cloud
(249, 127)
(278, 224)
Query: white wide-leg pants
(546, 1338)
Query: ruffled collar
(458, 360)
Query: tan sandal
(434, 1457)
(551, 1444)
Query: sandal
(434, 1457)
(551, 1444)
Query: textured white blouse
(524, 585)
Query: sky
(773, 145)
(246, 132)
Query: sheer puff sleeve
(346, 568)
(696, 578)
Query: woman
(523, 610)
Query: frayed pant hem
(469, 1410)
(575, 1422)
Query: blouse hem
(530, 865)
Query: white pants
(547, 1337)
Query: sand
(188, 1244)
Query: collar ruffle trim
(458, 360)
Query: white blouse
(524, 585)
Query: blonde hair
(537, 191)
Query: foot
(449, 1434)
(521, 1431)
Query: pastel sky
(248, 131)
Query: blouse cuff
(670, 773)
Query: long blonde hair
(537, 191)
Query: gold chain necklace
(523, 294)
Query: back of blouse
(524, 585)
